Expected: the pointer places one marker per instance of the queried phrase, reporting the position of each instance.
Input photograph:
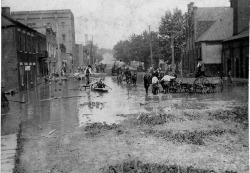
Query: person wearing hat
(200, 68)
(100, 84)
(88, 73)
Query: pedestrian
(165, 82)
(147, 80)
(88, 73)
(200, 68)
(155, 87)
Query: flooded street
(69, 105)
(64, 122)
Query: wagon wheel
(217, 85)
(201, 85)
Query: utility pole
(173, 66)
(59, 54)
(93, 52)
(151, 55)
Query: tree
(172, 26)
(137, 48)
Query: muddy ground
(181, 137)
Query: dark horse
(102, 67)
(134, 78)
(147, 81)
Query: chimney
(6, 11)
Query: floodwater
(68, 106)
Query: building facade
(23, 53)
(207, 28)
(79, 56)
(76, 57)
(235, 53)
(51, 47)
(61, 21)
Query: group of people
(157, 77)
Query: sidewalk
(8, 151)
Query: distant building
(207, 28)
(23, 54)
(51, 47)
(81, 56)
(76, 57)
(235, 54)
(61, 21)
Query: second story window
(48, 49)
(38, 47)
(19, 40)
(64, 37)
(62, 24)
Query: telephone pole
(151, 55)
(91, 52)
(173, 66)
(59, 54)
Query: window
(48, 25)
(25, 42)
(19, 40)
(32, 44)
(31, 25)
(62, 24)
(64, 37)
(38, 47)
(28, 42)
(48, 50)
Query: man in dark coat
(147, 81)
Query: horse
(147, 81)
(120, 78)
(134, 78)
(102, 67)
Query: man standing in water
(147, 81)
(88, 73)
(200, 68)
(155, 87)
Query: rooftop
(43, 12)
(243, 34)
(214, 23)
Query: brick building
(235, 54)
(207, 28)
(51, 47)
(23, 51)
(61, 21)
